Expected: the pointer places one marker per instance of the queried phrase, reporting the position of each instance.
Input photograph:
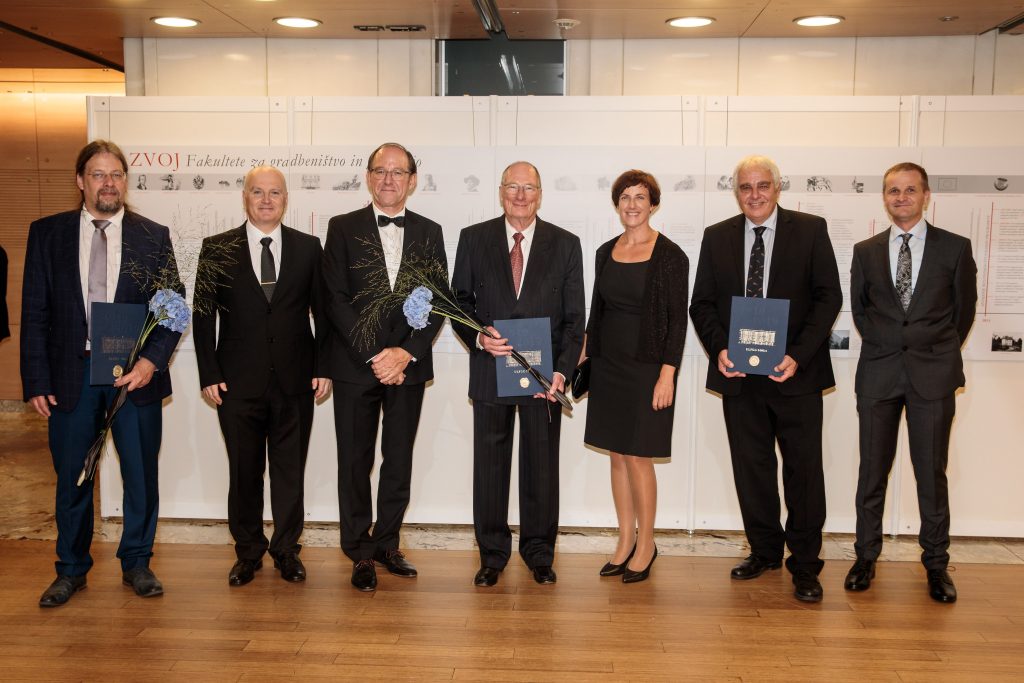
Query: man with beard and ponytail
(100, 252)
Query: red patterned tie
(516, 256)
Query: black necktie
(383, 220)
(755, 273)
(268, 274)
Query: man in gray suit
(913, 292)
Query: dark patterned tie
(516, 256)
(97, 269)
(268, 274)
(904, 272)
(755, 272)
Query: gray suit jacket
(926, 339)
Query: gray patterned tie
(268, 274)
(97, 269)
(755, 272)
(904, 272)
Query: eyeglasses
(100, 176)
(396, 174)
(514, 188)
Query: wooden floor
(689, 622)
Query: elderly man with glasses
(379, 379)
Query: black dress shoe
(61, 590)
(486, 577)
(610, 569)
(940, 586)
(364, 576)
(860, 575)
(291, 567)
(631, 576)
(143, 581)
(394, 561)
(544, 574)
(807, 586)
(752, 567)
(243, 572)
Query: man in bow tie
(263, 368)
(383, 372)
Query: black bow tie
(383, 220)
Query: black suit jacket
(354, 239)
(256, 336)
(53, 322)
(552, 287)
(803, 269)
(926, 339)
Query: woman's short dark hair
(634, 177)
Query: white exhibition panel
(831, 150)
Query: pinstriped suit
(552, 287)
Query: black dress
(619, 413)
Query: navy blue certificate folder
(115, 329)
(532, 338)
(757, 334)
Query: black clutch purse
(580, 383)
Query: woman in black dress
(635, 339)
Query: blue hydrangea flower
(170, 310)
(417, 307)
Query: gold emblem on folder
(117, 371)
(754, 361)
(523, 382)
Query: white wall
(990, 64)
(696, 485)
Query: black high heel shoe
(610, 569)
(630, 576)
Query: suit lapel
(68, 256)
(245, 275)
(932, 243)
(879, 252)
(780, 247)
(285, 269)
(735, 246)
(540, 252)
(501, 264)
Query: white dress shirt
(768, 236)
(86, 230)
(253, 235)
(392, 241)
(916, 244)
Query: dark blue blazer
(53, 322)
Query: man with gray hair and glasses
(769, 251)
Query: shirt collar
(377, 213)
(769, 222)
(527, 233)
(115, 221)
(254, 234)
(918, 231)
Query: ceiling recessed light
(690, 22)
(298, 22)
(948, 18)
(821, 20)
(175, 22)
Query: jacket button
(270, 340)
(905, 323)
(905, 348)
